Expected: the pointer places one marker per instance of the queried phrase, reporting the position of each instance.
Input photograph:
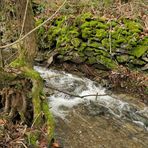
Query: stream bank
(105, 121)
(111, 51)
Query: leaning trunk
(20, 75)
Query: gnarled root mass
(23, 103)
(15, 100)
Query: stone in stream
(95, 109)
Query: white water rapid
(60, 102)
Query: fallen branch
(73, 95)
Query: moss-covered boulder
(122, 58)
(96, 40)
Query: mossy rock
(62, 41)
(89, 51)
(138, 62)
(64, 50)
(105, 43)
(101, 33)
(86, 33)
(132, 25)
(93, 44)
(82, 47)
(101, 25)
(76, 58)
(74, 32)
(92, 60)
(122, 58)
(139, 50)
(101, 52)
(108, 62)
(76, 42)
(112, 23)
(85, 25)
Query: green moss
(139, 50)
(102, 26)
(101, 33)
(38, 22)
(65, 49)
(31, 73)
(101, 52)
(112, 23)
(101, 19)
(105, 43)
(93, 44)
(144, 41)
(89, 51)
(86, 17)
(82, 47)
(60, 21)
(49, 120)
(108, 62)
(92, 60)
(120, 40)
(81, 54)
(62, 41)
(132, 25)
(122, 58)
(93, 23)
(86, 33)
(85, 25)
(33, 137)
(18, 63)
(73, 32)
(138, 62)
(76, 42)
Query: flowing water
(116, 118)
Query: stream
(96, 120)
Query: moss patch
(95, 36)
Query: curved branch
(20, 39)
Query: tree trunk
(19, 74)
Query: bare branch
(20, 39)
(73, 95)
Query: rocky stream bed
(110, 121)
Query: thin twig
(70, 94)
(5, 61)
(36, 119)
(20, 142)
(110, 40)
(20, 39)
(23, 24)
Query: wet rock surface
(114, 121)
(82, 129)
